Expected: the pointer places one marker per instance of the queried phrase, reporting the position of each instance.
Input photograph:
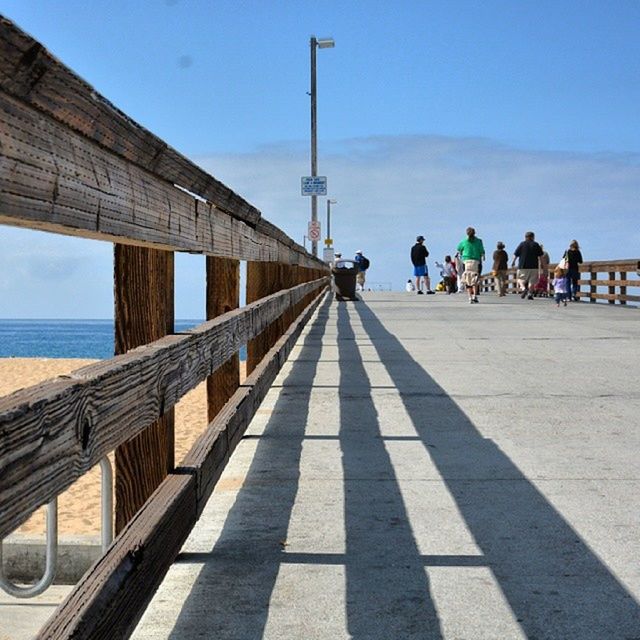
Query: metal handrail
(50, 564)
(51, 554)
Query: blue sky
(432, 116)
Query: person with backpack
(363, 264)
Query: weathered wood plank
(51, 434)
(56, 180)
(257, 287)
(111, 597)
(29, 72)
(222, 296)
(144, 284)
(612, 282)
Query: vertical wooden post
(143, 313)
(612, 288)
(623, 287)
(593, 288)
(223, 295)
(288, 281)
(257, 287)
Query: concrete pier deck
(426, 468)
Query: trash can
(344, 279)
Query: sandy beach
(79, 506)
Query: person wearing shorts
(419, 255)
(471, 251)
(528, 253)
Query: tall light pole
(329, 203)
(315, 43)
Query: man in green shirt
(471, 250)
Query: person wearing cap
(500, 266)
(362, 264)
(419, 255)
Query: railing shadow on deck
(385, 599)
(387, 587)
(234, 603)
(555, 585)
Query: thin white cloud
(389, 189)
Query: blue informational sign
(314, 185)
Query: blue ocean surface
(66, 338)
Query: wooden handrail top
(54, 432)
(31, 73)
(73, 163)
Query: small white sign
(313, 231)
(328, 255)
(314, 185)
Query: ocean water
(65, 338)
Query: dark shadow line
(388, 594)
(555, 585)
(230, 598)
(340, 559)
(335, 438)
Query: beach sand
(79, 506)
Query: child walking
(560, 286)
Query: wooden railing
(71, 163)
(615, 279)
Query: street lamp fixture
(315, 43)
(325, 43)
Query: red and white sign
(313, 232)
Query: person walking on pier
(419, 255)
(574, 258)
(363, 264)
(500, 266)
(528, 255)
(472, 252)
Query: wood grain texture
(111, 597)
(53, 433)
(222, 296)
(257, 287)
(53, 179)
(38, 88)
(29, 72)
(144, 291)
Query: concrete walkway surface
(426, 468)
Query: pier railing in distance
(72, 163)
(612, 275)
